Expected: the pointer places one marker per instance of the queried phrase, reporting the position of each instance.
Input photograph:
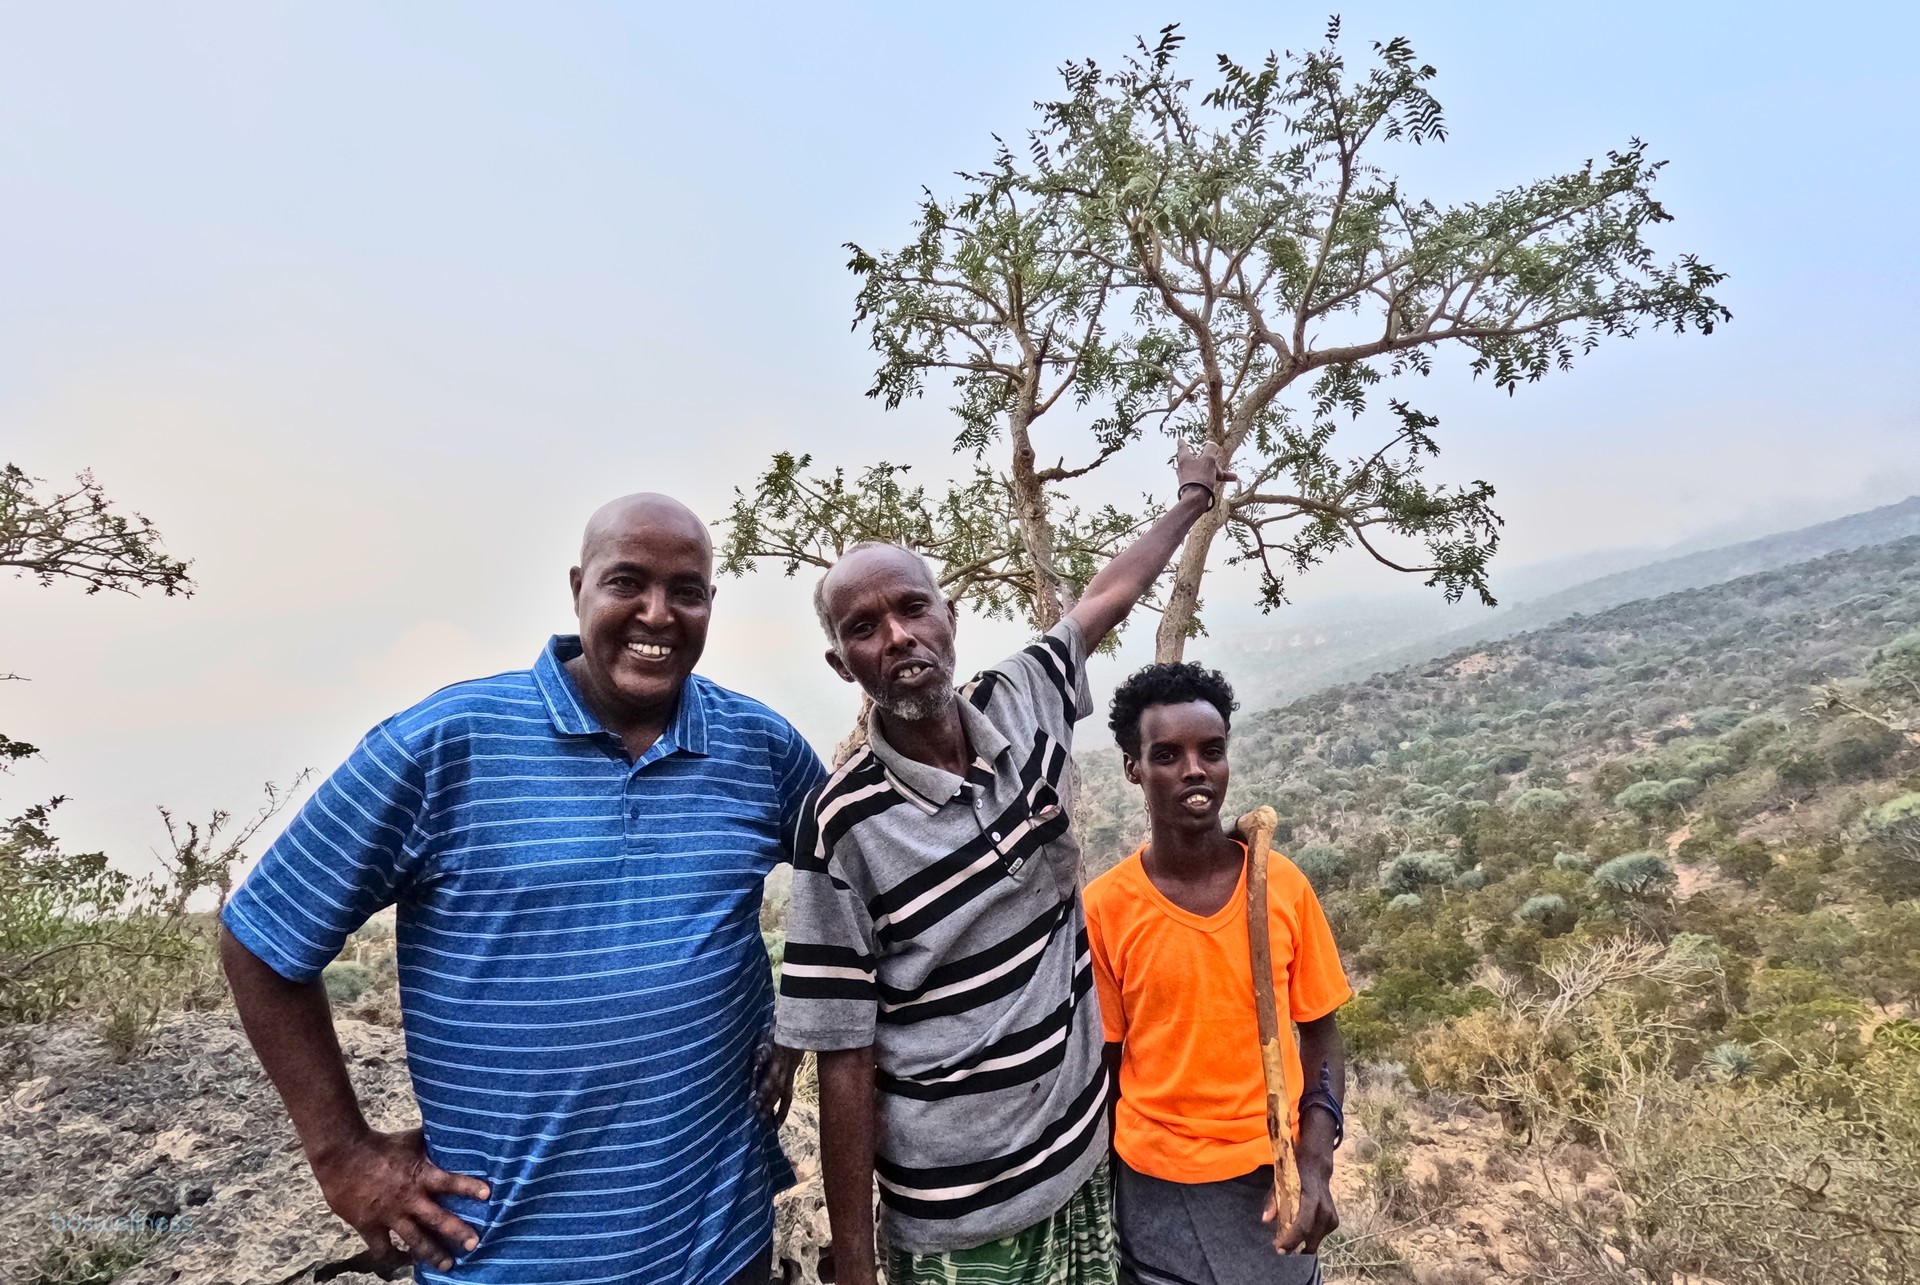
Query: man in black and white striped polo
(936, 952)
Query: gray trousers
(1203, 1233)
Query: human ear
(1130, 767)
(839, 667)
(574, 580)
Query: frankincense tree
(1234, 265)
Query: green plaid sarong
(1073, 1247)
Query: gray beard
(917, 709)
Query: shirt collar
(572, 717)
(928, 787)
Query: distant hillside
(1713, 566)
(1400, 750)
(1300, 649)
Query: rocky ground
(190, 1133)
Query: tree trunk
(1170, 643)
(1050, 594)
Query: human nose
(1192, 768)
(896, 633)
(650, 608)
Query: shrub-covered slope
(1294, 652)
(1646, 883)
(1671, 754)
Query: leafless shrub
(1810, 1176)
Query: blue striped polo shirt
(582, 979)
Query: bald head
(891, 629)
(858, 559)
(643, 515)
(644, 595)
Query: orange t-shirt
(1176, 990)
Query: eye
(690, 595)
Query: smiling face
(643, 593)
(892, 631)
(1182, 766)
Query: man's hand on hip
(383, 1186)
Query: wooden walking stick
(1258, 827)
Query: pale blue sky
(368, 305)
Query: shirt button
(996, 836)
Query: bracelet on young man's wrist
(1212, 495)
(1323, 1098)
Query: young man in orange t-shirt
(1193, 1185)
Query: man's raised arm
(1125, 580)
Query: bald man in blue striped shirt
(575, 852)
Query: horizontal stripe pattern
(582, 978)
(937, 918)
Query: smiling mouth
(649, 651)
(1196, 799)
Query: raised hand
(384, 1187)
(1205, 467)
(1118, 586)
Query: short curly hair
(1172, 683)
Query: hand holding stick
(1258, 827)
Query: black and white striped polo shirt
(938, 918)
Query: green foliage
(1748, 862)
(1894, 826)
(1895, 668)
(347, 980)
(97, 1258)
(1633, 874)
(78, 934)
(1547, 911)
(1160, 254)
(1645, 799)
(1411, 871)
(1732, 1060)
(1679, 790)
(1543, 802)
(1324, 865)
(75, 533)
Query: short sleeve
(1049, 677)
(797, 772)
(828, 999)
(1316, 983)
(1106, 978)
(348, 853)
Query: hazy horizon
(368, 308)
